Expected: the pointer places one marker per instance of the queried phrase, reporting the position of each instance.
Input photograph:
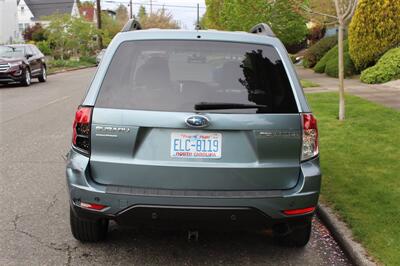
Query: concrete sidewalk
(387, 94)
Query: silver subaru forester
(195, 128)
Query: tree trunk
(341, 73)
(341, 59)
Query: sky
(184, 11)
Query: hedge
(44, 47)
(374, 29)
(318, 50)
(387, 68)
(329, 63)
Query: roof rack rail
(131, 25)
(263, 29)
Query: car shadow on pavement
(162, 247)
(16, 85)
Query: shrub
(387, 68)
(44, 47)
(321, 65)
(295, 48)
(63, 63)
(329, 63)
(88, 59)
(332, 67)
(35, 33)
(318, 50)
(374, 29)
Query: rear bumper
(132, 205)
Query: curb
(342, 234)
(68, 70)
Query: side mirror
(28, 56)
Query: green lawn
(308, 84)
(361, 170)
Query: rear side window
(175, 75)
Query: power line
(121, 2)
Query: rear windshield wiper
(219, 106)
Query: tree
(241, 15)
(212, 17)
(110, 27)
(58, 35)
(142, 12)
(121, 14)
(374, 30)
(322, 7)
(287, 24)
(68, 36)
(85, 4)
(160, 19)
(82, 35)
(344, 11)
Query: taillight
(81, 129)
(310, 137)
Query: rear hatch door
(144, 132)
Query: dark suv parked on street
(20, 63)
(225, 140)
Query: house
(31, 12)
(8, 21)
(88, 13)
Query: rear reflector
(310, 137)
(92, 206)
(299, 211)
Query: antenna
(198, 27)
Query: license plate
(196, 145)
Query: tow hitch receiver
(193, 235)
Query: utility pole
(130, 9)
(151, 7)
(99, 38)
(198, 27)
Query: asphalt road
(35, 133)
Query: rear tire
(86, 230)
(297, 237)
(43, 75)
(27, 78)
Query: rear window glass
(176, 75)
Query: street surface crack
(54, 199)
(54, 246)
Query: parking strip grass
(360, 160)
(308, 84)
(62, 65)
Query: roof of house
(42, 8)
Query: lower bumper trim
(192, 217)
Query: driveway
(35, 134)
